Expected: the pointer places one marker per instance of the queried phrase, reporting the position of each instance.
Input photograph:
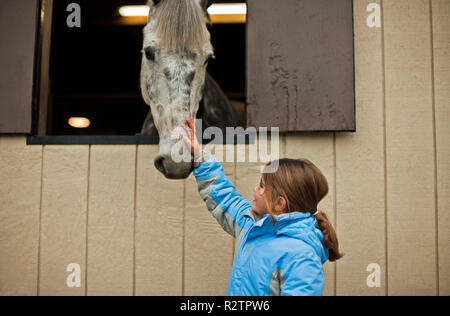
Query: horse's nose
(159, 164)
(172, 170)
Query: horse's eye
(150, 53)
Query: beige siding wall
(360, 176)
(63, 217)
(133, 232)
(441, 68)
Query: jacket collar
(297, 225)
(283, 221)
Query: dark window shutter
(300, 65)
(17, 37)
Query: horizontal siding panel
(409, 134)
(64, 212)
(159, 228)
(20, 197)
(110, 260)
(441, 39)
(208, 248)
(360, 169)
(318, 148)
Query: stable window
(89, 71)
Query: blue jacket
(285, 258)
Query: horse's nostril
(159, 164)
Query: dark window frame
(34, 139)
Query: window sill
(117, 140)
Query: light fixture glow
(79, 122)
(227, 8)
(215, 9)
(134, 10)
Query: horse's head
(176, 52)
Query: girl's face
(259, 206)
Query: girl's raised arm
(223, 201)
(229, 207)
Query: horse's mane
(180, 25)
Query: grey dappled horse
(176, 52)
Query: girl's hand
(192, 141)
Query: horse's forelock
(180, 25)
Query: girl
(282, 240)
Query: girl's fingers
(188, 130)
(191, 127)
(187, 141)
(190, 123)
(188, 144)
(191, 130)
(185, 126)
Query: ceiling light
(215, 9)
(79, 122)
(227, 8)
(134, 10)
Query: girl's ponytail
(329, 236)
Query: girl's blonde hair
(303, 186)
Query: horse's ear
(154, 2)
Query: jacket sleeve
(222, 200)
(303, 276)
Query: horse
(176, 52)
